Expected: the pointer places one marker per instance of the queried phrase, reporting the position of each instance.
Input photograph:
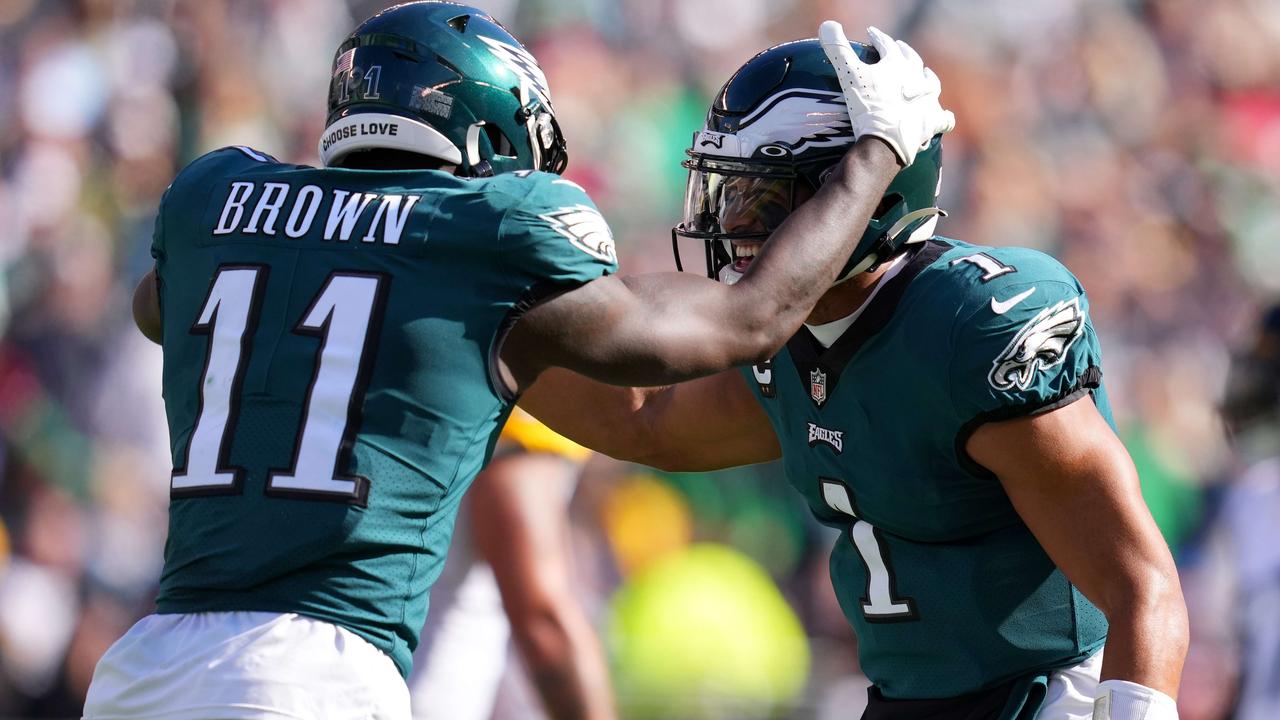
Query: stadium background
(1139, 142)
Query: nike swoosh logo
(1001, 308)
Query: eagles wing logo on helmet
(586, 229)
(1041, 344)
(802, 118)
(524, 65)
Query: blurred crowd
(1138, 141)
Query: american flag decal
(344, 62)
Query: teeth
(746, 250)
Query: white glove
(895, 99)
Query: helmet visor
(727, 205)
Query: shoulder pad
(530, 184)
(1022, 336)
(986, 269)
(555, 230)
(986, 281)
(223, 160)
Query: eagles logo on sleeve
(1041, 344)
(586, 229)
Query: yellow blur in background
(524, 430)
(704, 632)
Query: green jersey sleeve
(1023, 342)
(554, 238)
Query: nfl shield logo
(818, 386)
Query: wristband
(1124, 700)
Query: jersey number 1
(341, 315)
(881, 602)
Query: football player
(943, 406)
(1233, 579)
(342, 344)
(508, 574)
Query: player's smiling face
(757, 205)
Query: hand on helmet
(894, 99)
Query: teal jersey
(330, 341)
(947, 589)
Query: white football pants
(231, 665)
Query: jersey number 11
(342, 314)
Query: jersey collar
(827, 333)
(808, 354)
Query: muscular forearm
(705, 424)
(1148, 636)
(665, 328)
(674, 327)
(609, 419)
(1074, 485)
(781, 287)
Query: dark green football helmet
(446, 81)
(774, 132)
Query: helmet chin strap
(925, 221)
(477, 166)
(534, 122)
(539, 126)
(727, 274)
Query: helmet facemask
(732, 203)
(733, 206)
(776, 130)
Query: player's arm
(705, 424)
(1073, 483)
(146, 307)
(1025, 368)
(518, 508)
(664, 328)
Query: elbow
(770, 319)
